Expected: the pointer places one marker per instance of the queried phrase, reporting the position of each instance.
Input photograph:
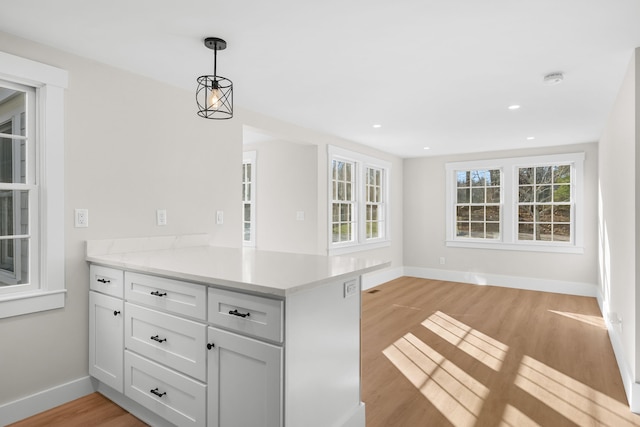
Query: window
(358, 201)
(478, 204)
(18, 192)
(248, 198)
(544, 203)
(343, 201)
(528, 203)
(31, 186)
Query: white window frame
(249, 157)
(361, 163)
(46, 290)
(509, 203)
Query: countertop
(191, 258)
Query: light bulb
(214, 98)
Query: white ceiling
(433, 73)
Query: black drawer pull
(116, 312)
(157, 393)
(156, 338)
(210, 345)
(158, 293)
(104, 280)
(237, 313)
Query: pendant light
(215, 93)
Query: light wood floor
(447, 354)
(93, 410)
(438, 353)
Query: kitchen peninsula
(186, 333)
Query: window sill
(32, 302)
(541, 247)
(358, 247)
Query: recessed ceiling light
(377, 126)
(513, 107)
(531, 138)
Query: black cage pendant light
(215, 93)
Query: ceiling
(432, 73)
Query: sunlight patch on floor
(576, 401)
(482, 347)
(597, 321)
(457, 395)
(512, 417)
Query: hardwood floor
(448, 354)
(445, 354)
(93, 410)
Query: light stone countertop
(191, 258)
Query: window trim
(361, 162)
(509, 205)
(250, 157)
(50, 83)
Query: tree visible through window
(544, 203)
(478, 204)
(374, 204)
(343, 206)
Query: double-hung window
(526, 203)
(358, 201)
(248, 198)
(31, 186)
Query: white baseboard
(45, 400)
(376, 278)
(631, 387)
(528, 283)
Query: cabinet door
(106, 339)
(244, 381)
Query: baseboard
(528, 283)
(376, 278)
(45, 400)
(631, 387)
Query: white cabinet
(245, 381)
(189, 354)
(105, 339)
(106, 323)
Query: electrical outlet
(219, 217)
(161, 217)
(81, 218)
(442, 260)
(350, 288)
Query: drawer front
(173, 341)
(247, 314)
(106, 280)
(173, 396)
(183, 298)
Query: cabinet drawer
(248, 314)
(106, 280)
(173, 341)
(171, 395)
(178, 297)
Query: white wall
(424, 230)
(618, 193)
(286, 183)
